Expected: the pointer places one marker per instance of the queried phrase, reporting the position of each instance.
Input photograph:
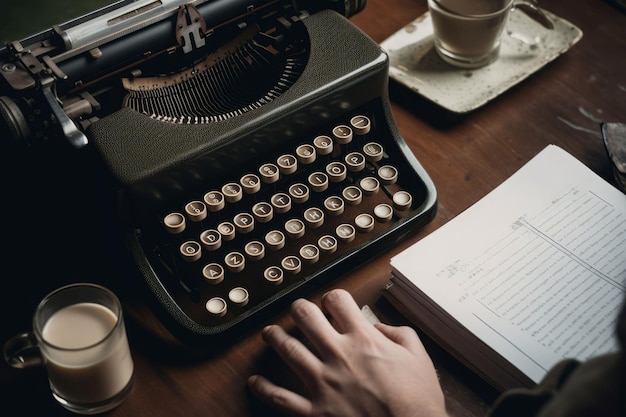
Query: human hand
(360, 369)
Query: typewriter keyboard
(235, 246)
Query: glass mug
(79, 336)
(471, 40)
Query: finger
(279, 397)
(402, 335)
(314, 325)
(295, 354)
(345, 313)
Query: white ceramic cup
(473, 7)
(473, 40)
(79, 336)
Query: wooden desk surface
(466, 157)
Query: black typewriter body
(245, 178)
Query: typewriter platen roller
(250, 170)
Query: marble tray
(415, 64)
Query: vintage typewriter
(248, 146)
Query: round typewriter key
(373, 152)
(216, 306)
(352, 195)
(323, 145)
(313, 217)
(402, 201)
(342, 134)
(345, 232)
(269, 173)
(295, 228)
(383, 212)
(299, 193)
(327, 244)
(364, 223)
(318, 181)
(174, 223)
(263, 212)
(255, 250)
(190, 251)
(227, 230)
(211, 239)
(275, 240)
(388, 174)
(213, 273)
(310, 253)
(306, 154)
(196, 211)
(232, 192)
(369, 185)
(336, 171)
(334, 205)
(239, 296)
(287, 164)
(251, 183)
(281, 202)
(273, 274)
(361, 124)
(214, 201)
(291, 264)
(235, 261)
(244, 222)
(355, 161)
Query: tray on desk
(415, 64)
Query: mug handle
(22, 351)
(530, 8)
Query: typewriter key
(239, 296)
(327, 244)
(214, 201)
(255, 250)
(216, 306)
(251, 183)
(235, 261)
(213, 273)
(263, 212)
(291, 264)
(306, 154)
(211, 239)
(383, 212)
(334, 205)
(361, 124)
(196, 211)
(352, 195)
(388, 174)
(191, 251)
(342, 134)
(274, 275)
(345, 232)
(364, 222)
(318, 181)
(310, 253)
(323, 145)
(174, 223)
(269, 173)
(295, 228)
(373, 152)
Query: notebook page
(536, 269)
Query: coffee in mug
(467, 41)
(79, 330)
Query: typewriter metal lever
(190, 24)
(70, 131)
